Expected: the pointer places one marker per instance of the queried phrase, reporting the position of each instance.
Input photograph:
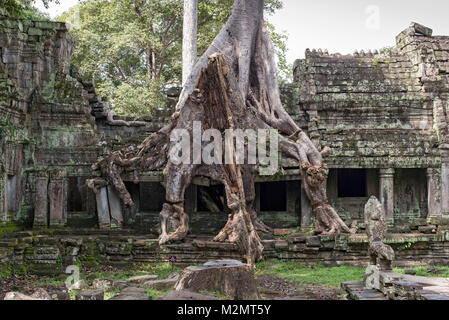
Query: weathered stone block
(35, 32)
(90, 295)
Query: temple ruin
(383, 114)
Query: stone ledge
(51, 250)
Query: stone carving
(376, 229)
(380, 254)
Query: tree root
(227, 90)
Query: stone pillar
(41, 200)
(386, 191)
(445, 186)
(306, 211)
(11, 194)
(104, 219)
(2, 198)
(57, 196)
(433, 193)
(115, 208)
(293, 188)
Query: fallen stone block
(187, 295)
(143, 279)
(79, 285)
(39, 294)
(132, 293)
(103, 284)
(90, 295)
(164, 284)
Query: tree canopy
(23, 8)
(133, 48)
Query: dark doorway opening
(352, 183)
(77, 195)
(273, 196)
(152, 197)
(211, 199)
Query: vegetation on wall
(24, 8)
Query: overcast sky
(342, 25)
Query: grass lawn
(332, 276)
(318, 274)
(428, 271)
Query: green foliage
(318, 274)
(7, 128)
(133, 48)
(24, 8)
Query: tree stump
(228, 277)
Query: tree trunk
(233, 86)
(229, 277)
(189, 46)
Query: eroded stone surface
(229, 277)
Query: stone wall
(51, 253)
(47, 132)
(385, 111)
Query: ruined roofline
(413, 31)
(24, 23)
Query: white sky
(342, 25)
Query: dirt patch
(270, 287)
(26, 285)
(275, 288)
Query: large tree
(132, 48)
(233, 86)
(23, 8)
(189, 41)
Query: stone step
(6, 243)
(357, 291)
(368, 295)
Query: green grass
(49, 282)
(442, 271)
(331, 276)
(318, 274)
(154, 294)
(110, 294)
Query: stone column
(115, 208)
(41, 200)
(104, 219)
(293, 188)
(2, 197)
(433, 193)
(11, 194)
(386, 191)
(306, 211)
(445, 186)
(56, 195)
